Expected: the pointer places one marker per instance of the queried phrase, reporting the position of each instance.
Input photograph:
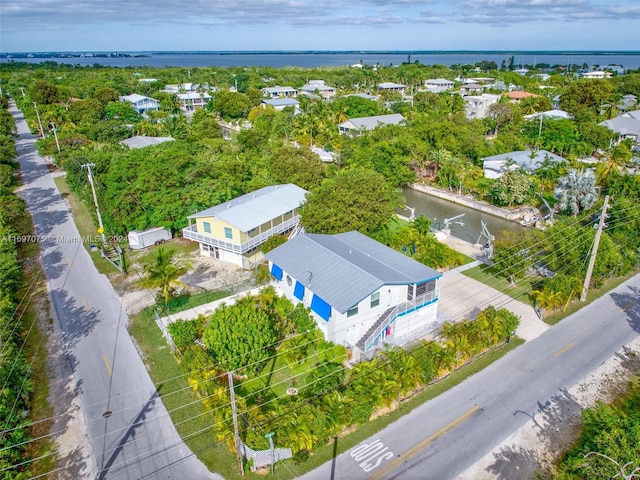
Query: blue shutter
(321, 307)
(298, 291)
(276, 271)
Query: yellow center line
(106, 362)
(389, 467)
(557, 354)
(86, 307)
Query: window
(352, 311)
(207, 227)
(228, 233)
(375, 299)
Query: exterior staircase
(361, 344)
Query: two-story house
(318, 87)
(235, 230)
(477, 106)
(361, 293)
(191, 101)
(279, 92)
(141, 103)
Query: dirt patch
(205, 274)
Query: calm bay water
(629, 60)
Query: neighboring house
(628, 102)
(392, 87)
(361, 293)
(626, 125)
(471, 88)
(141, 103)
(325, 155)
(191, 101)
(318, 87)
(279, 92)
(528, 160)
(141, 141)
(281, 103)
(181, 88)
(477, 106)
(521, 71)
(358, 125)
(555, 114)
(517, 96)
(597, 74)
(235, 230)
(147, 80)
(437, 85)
(556, 101)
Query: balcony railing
(419, 302)
(191, 233)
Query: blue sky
(135, 25)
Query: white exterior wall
(344, 330)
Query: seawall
(468, 201)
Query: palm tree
(163, 273)
(615, 160)
(576, 191)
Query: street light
(35, 105)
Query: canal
(467, 228)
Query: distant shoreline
(137, 53)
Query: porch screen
(298, 291)
(321, 307)
(276, 271)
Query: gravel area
(205, 273)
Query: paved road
(444, 437)
(138, 440)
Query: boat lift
(488, 246)
(447, 223)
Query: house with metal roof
(234, 231)
(279, 92)
(554, 114)
(281, 103)
(361, 293)
(437, 85)
(361, 124)
(319, 87)
(392, 87)
(528, 160)
(191, 101)
(142, 141)
(140, 102)
(626, 125)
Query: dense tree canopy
(355, 199)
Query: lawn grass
(193, 423)
(592, 294)
(489, 275)
(84, 223)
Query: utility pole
(55, 135)
(95, 200)
(235, 423)
(35, 105)
(594, 251)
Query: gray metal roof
(279, 102)
(346, 268)
(142, 141)
(369, 123)
(523, 158)
(256, 208)
(626, 124)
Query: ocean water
(628, 60)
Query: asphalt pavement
(125, 420)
